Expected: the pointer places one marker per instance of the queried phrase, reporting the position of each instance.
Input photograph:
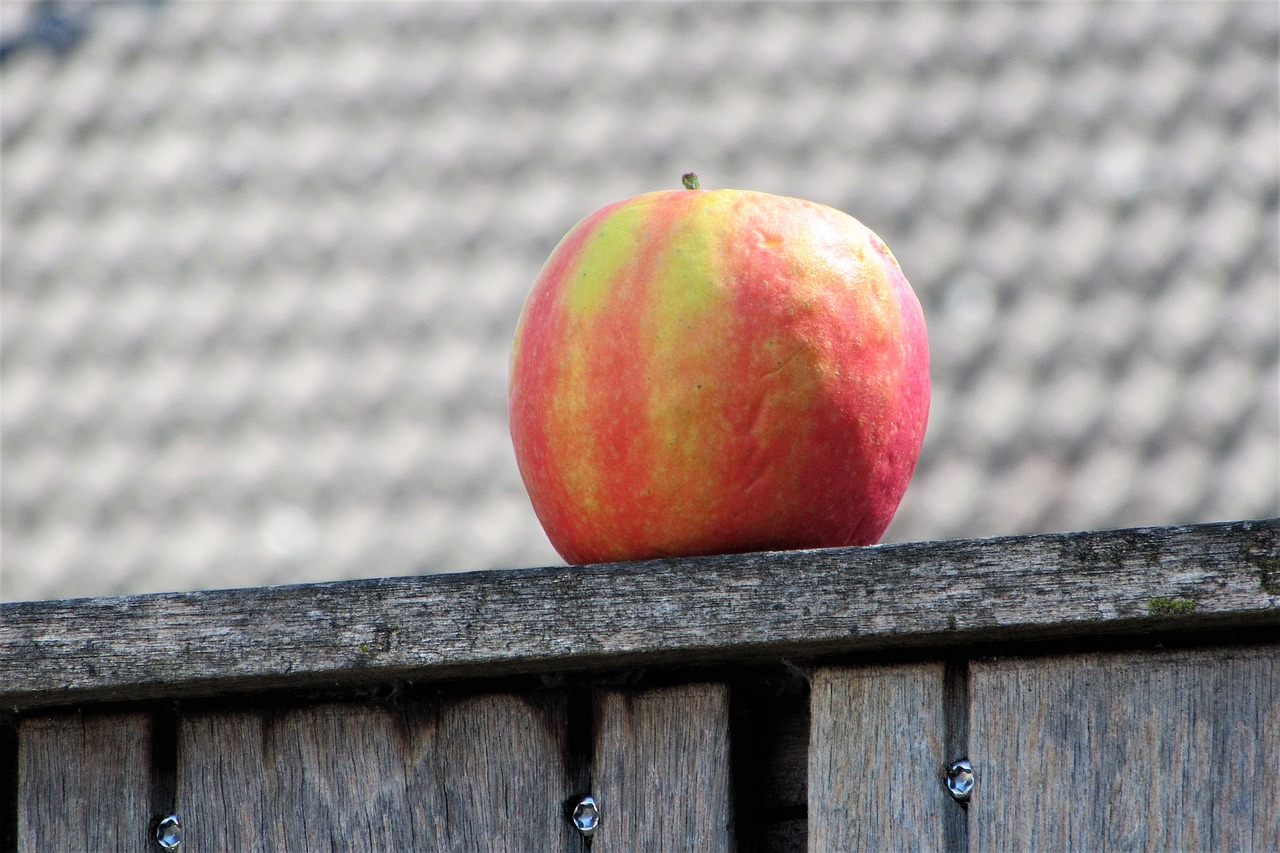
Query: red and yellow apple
(717, 371)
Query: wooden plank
(225, 795)
(741, 608)
(85, 782)
(662, 770)
(876, 759)
(1176, 750)
(478, 773)
(502, 767)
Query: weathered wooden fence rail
(1112, 690)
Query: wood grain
(662, 771)
(224, 792)
(1176, 750)
(85, 783)
(477, 773)
(711, 610)
(876, 759)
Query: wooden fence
(1112, 691)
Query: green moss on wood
(1268, 566)
(1171, 606)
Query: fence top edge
(717, 609)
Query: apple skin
(717, 371)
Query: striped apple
(717, 371)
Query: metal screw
(169, 832)
(585, 815)
(960, 780)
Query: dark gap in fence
(8, 785)
(769, 734)
(164, 763)
(779, 814)
(746, 754)
(955, 699)
(579, 745)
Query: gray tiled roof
(261, 261)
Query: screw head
(960, 780)
(585, 816)
(169, 832)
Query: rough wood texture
(85, 783)
(1177, 750)
(662, 770)
(876, 759)
(481, 773)
(751, 607)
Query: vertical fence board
(1174, 750)
(479, 773)
(876, 759)
(85, 783)
(223, 789)
(662, 770)
(502, 761)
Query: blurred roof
(261, 261)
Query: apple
(717, 371)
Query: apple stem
(690, 181)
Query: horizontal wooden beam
(702, 611)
